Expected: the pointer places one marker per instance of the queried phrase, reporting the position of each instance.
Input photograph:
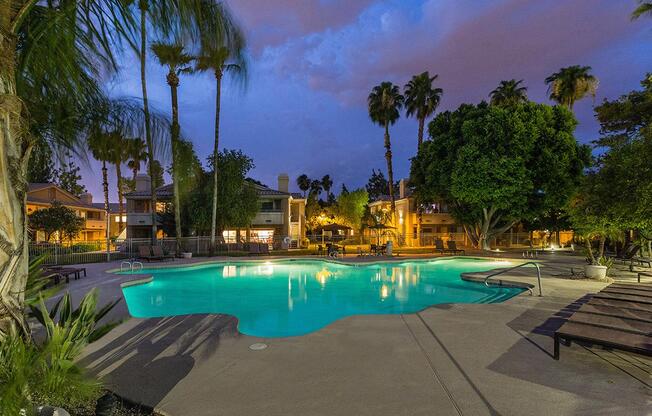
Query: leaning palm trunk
(390, 171)
(15, 148)
(218, 93)
(173, 81)
(105, 186)
(148, 133)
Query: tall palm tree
(571, 84)
(101, 145)
(316, 188)
(421, 99)
(221, 60)
(137, 154)
(178, 61)
(327, 184)
(644, 9)
(119, 155)
(51, 55)
(195, 21)
(303, 182)
(385, 103)
(509, 92)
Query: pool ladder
(486, 280)
(131, 266)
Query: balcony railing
(268, 217)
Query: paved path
(447, 360)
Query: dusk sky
(314, 62)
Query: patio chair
(254, 248)
(145, 253)
(439, 247)
(157, 252)
(362, 253)
(618, 317)
(263, 249)
(452, 247)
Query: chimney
(284, 182)
(142, 183)
(401, 188)
(86, 198)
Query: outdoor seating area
(451, 247)
(153, 253)
(58, 273)
(618, 317)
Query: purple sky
(313, 63)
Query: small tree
(351, 207)
(56, 219)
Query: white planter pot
(595, 272)
(186, 255)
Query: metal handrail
(516, 267)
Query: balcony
(139, 218)
(268, 218)
(95, 224)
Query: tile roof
(114, 207)
(164, 191)
(47, 201)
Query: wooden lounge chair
(263, 249)
(157, 252)
(452, 247)
(619, 317)
(145, 253)
(254, 248)
(439, 247)
(66, 272)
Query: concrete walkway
(446, 360)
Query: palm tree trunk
(175, 167)
(148, 133)
(422, 121)
(390, 171)
(14, 154)
(118, 171)
(216, 149)
(105, 185)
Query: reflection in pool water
(285, 298)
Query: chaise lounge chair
(618, 317)
(439, 247)
(157, 252)
(145, 253)
(452, 247)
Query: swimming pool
(286, 298)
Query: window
(270, 205)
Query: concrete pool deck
(445, 360)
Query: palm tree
(509, 93)
(51, 55)
(385, 103)
(303, 182)
(178, 61)
(644, 9)
(196, 21)
(571, 84)
(315, 188)
(421, 100)
(327, 184)
(221, 60)
(119, 155)
(102, 148)
(137, 155)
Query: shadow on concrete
(578, 372)
(144, 363)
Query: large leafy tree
(571, 84)
(223, 59)
(178, 62)
(496, 166)
(377, 185)
(56, 219)
(385, 103)
(351, 206)
(421, 100)
(509, 92)
(623, 174)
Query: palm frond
(644, 9)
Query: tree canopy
(56, 219)
(496, 166)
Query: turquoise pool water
(286, 298)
